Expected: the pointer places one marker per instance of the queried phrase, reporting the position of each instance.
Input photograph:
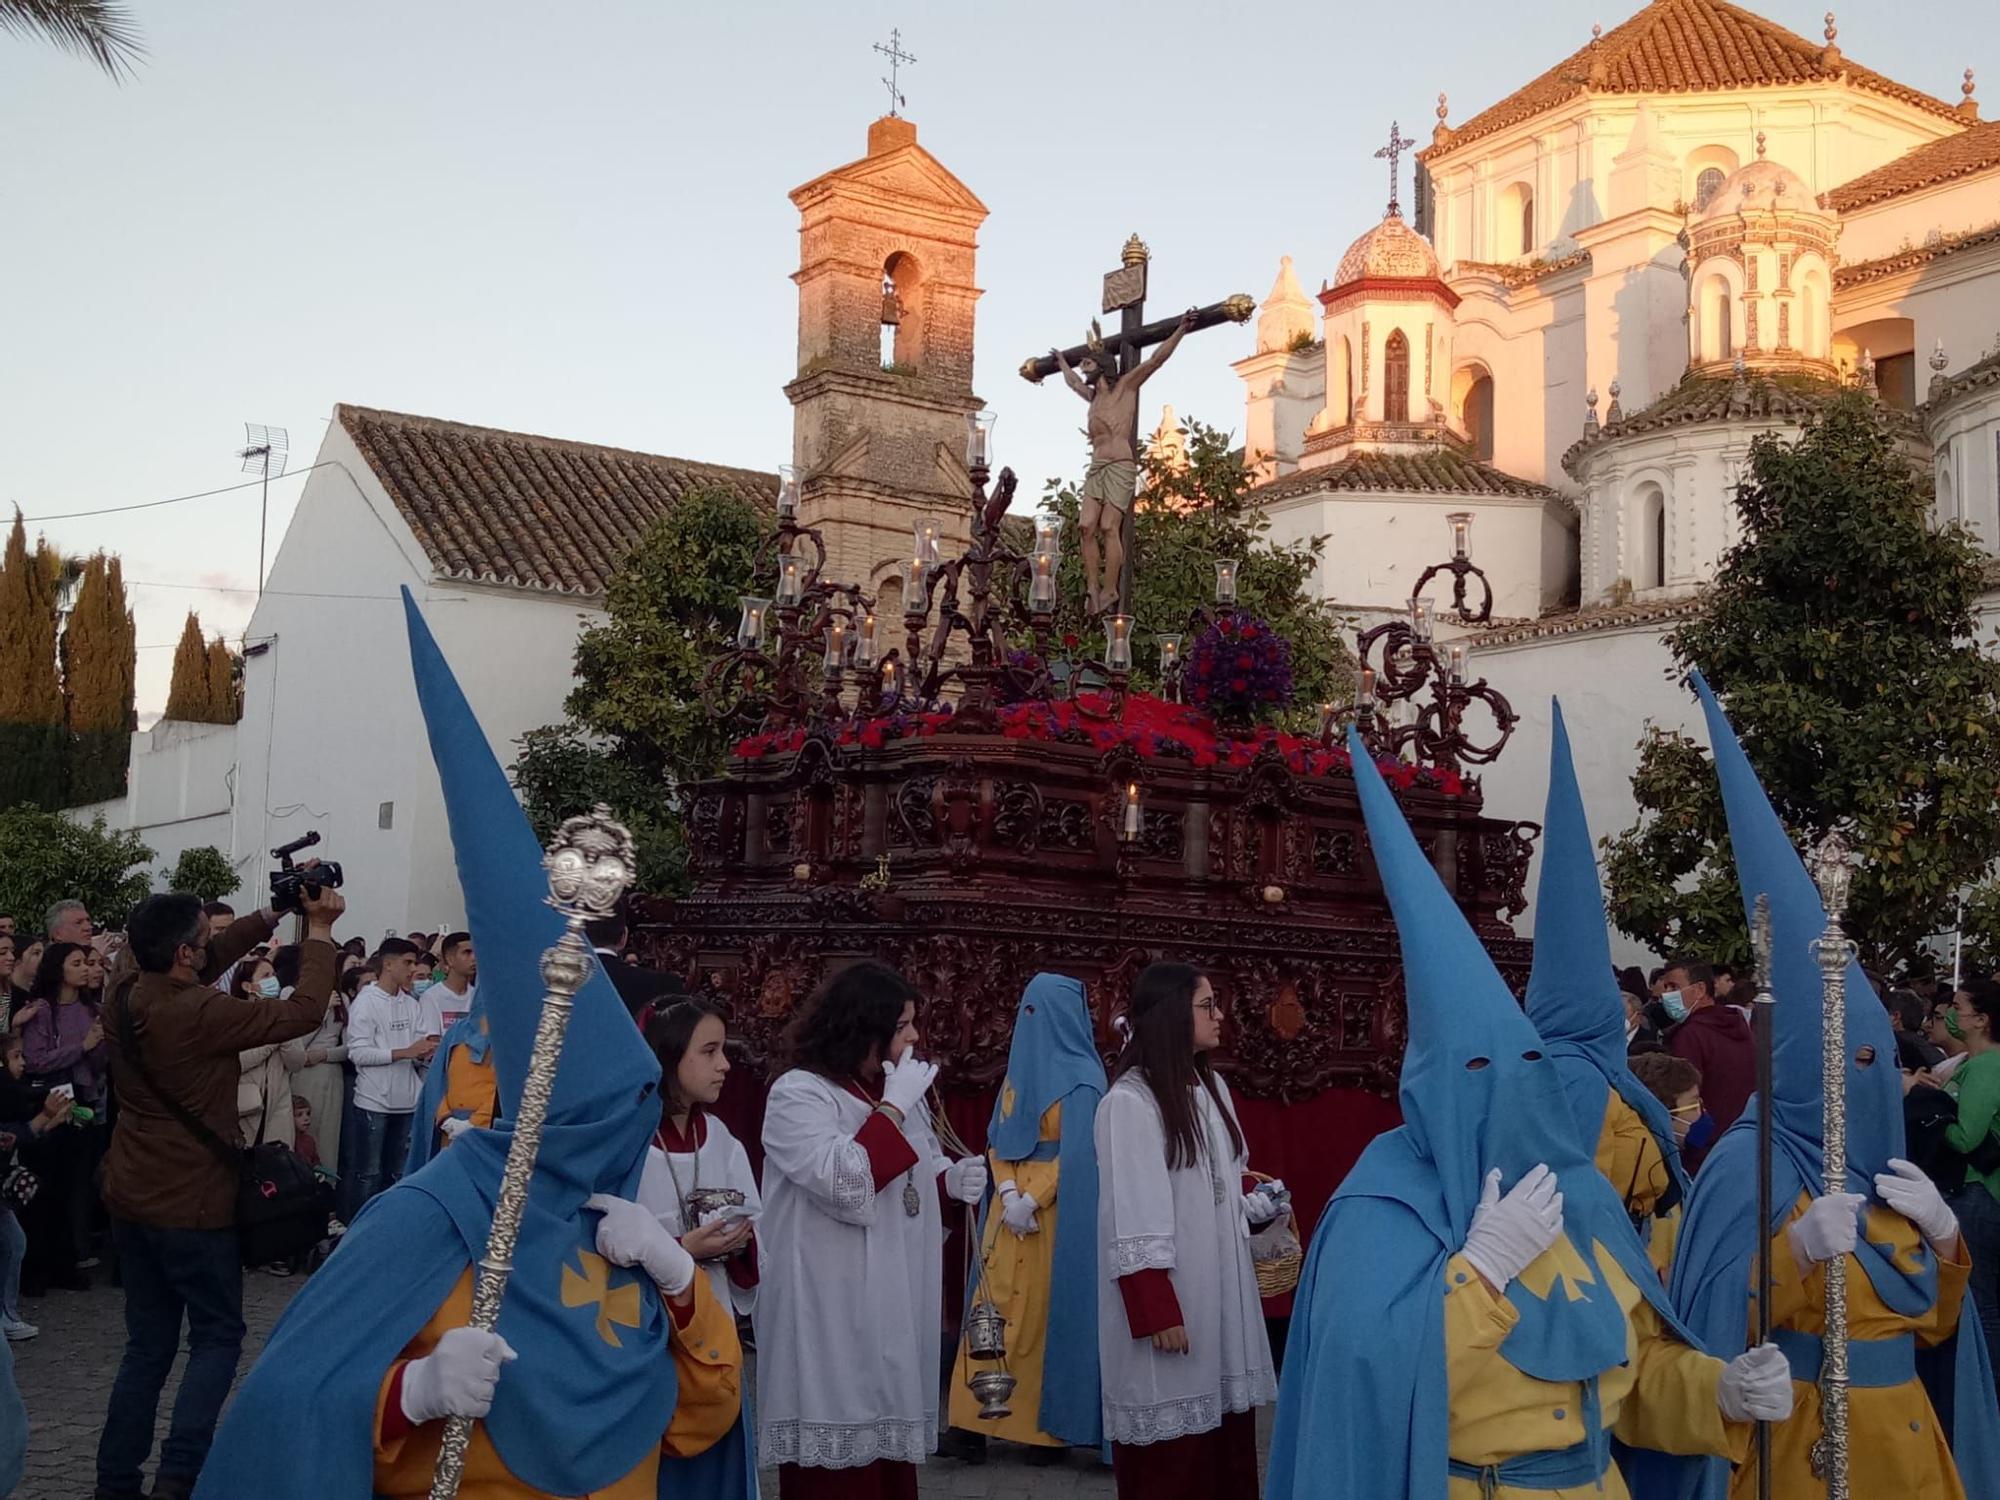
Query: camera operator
(172, 1199)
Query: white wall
(1611, 682)
(179, 794)
(1904, 223)
(1954, 300)
(1967, 459)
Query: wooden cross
(1125, 294)
(897, 57)
(1394, 151)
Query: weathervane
(897, 57)
(1394, 151)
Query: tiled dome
(1390, 249)
(1760, 186)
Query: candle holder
(1128, 826)
(1118, 643)
(750, 627)
(1048, 535)
(1225, 582)
(865, 643)
(1042, 582)
(836, 645)
(979, 440)
(788, 492)
(927, 532)
(791, 579)
(1462, 570)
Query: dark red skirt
(877, 1481)
(1209, 1465)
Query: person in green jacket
(1976, 1086)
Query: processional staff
(590, 863)
(1834, 952)
(1760, 1010)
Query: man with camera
(172, 1199)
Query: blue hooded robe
(1573, 997)
(592, 1393)
(1363, 1406)
(1714, 1258)
(1053, 1060)
(470, 1032)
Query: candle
(892, 678)
(1326, 712)
(1118, 643)
(1225, 580)
(864, 641)
(750, 628)
(788, 492)
(791, 579)
(836, 644)
(1042, 583)
(1455, 661)
(978, 438)
(1170, 653)
(927, 531)
(914, 598)
(1131, 825)
(1421, 618)
(1365, 698)
(1048, 533)
(1461, 533)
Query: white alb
(721, 1162)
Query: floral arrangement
(1151, 728)
(1240, 670)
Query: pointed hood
(1573, 998)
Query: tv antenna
(263, 454)
(897, 57)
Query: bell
(992, 1388)
(986, 1333)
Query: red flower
(1249, 632)
(1245, 661)
(1069, 640)
(1238, 684)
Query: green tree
(99, 666)
(1190, 515)
(32, 742)
(204, 871)
(224, 670)
(187, 688)
(51, 858)
(1838, 633)
(100, 30)
(637, 729)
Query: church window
(902, 311)
(1812, 334)
(1659, 580)
(1647, 558)
(1396, 379)
(1717, 340)
(1516, 229)
(1707, 185)
(1343, 375)
(1527, 223)
(1479, 418)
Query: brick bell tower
(886, 294)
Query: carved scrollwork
(1334, 851)
(1064, 824)
(1161, 833)
(1017, 816)
(914, 812)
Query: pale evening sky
(572, 219)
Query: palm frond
(101, 30)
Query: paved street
(65, 1374)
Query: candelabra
(1412, 661)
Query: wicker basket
(1275, 1253)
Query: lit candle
(1225, 580)
(1048, 534)
(836, 644)
(927, 531)
(791, 578)
(1170, 653)
(864, 641)
(978, 438)
(914, 599)
(1326, 721)
(1365, 698)
(788, 492)
(1421, 618)
(1131, 810)
(892, 678)
(1455, 661)
(1042, 585)
(1118, 643)
(750, 628)
(1461, 533)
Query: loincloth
(1112, 482)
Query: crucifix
(1398, 144)
(897, 57)
(1107, 372)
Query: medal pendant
(912, 1204)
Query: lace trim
(1190, 1416)
(835, 1445)
(1142, 1252)
(853, 1180)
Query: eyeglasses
(1211, 1005)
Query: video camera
(290, 885)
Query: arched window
(1343, 377)
(1812, 316)
(902, 311)
(1396, 379)
(1528, 237)
(1717, 337)
(1479, 417)
(1707, 185)
(1647, 556)
(1516, 232)
(1947, 501)
(1659, 514)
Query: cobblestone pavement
(65, 1376)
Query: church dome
(1760, 186)
(1391, 249)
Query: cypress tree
(99, 664)
(187, 690)
(31, 705)
(225, 692)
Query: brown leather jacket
(158, 1173)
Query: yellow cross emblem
(1559, 1266)
(617, 1306)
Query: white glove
(1830, 1226)
(1756, 1386)
(904, 1084)
(1508, 1233)
(1905, 1188)
(965, 1179)
(1018, 1211)
(452, 1127)
(629, 1235)
(1262, 1207)
(457, 1378)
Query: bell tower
(886, 252)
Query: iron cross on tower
(897, 57)
(1394, 151)
(1125, 294)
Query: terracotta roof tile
(1936, 248)
(1717, 398)
(1512, 274)
(1438, 471)
(1570, 620)
(1961, 155)
(533, 512)
(1985, 372)
(1682, 46)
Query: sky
(572, 220)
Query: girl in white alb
(1181, 1341)
(849, 1317)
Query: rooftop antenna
(897, 57)
(263, 454)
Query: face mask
(1675, 1007)
(423, 984)
(1951, 1025)
(268, 988)
(1700, 1133)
